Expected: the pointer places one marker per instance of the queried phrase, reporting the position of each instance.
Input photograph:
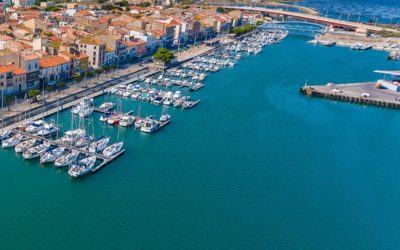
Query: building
(95, 49)
(54, 69)
(12, 79)
(30, 63)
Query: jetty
(104, 159)
(367, 93)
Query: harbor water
(255, 165)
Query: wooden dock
(355, 93)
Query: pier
(360, 93)
(104, 159)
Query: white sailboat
(67, 160)
(82, 167)
(113, 149)
(99, 145)
(51, 155)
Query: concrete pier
(361, 93)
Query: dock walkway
(104, 159)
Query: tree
(106, 69)
(99, 71)
(164, 55)
(144, 4)
(33, 93)
(78, 78)
(259, 22)
(8, 100)
(61, 85)
(89, 74)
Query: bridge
(304, 27)
(358, 27)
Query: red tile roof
(52, 61)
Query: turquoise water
(254, 166)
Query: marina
(34, 138)
(182, 181)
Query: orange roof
(134, 43)
(7, 68)
(158, 32)
(81, 56)
(11, 68)
(52, 61)
(19, 71)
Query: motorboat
(107, 106)
(149, 126)
(360, 46)
(35, 152)
(113, 149)
(84, 104)
(114, 120)
(86, 112)
(104, 117)
(327, 43)
(67, 160)
(35, 127)
(47, 130)
(165, 117)
(70, 137)
(22, 146)
(139, 123)
(177, 103)
(158, 100)
(82, 167)
(168, 101)
(52, 155)
(12, 141)
(126, 120)
(99, 145)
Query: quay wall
(313, 92)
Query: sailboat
(99, 145)
(82, 167)
(165, 117)
(12, 141)
(35, 152)
(113, 149)
(21, 147)
(67, 160)
(51, 155)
